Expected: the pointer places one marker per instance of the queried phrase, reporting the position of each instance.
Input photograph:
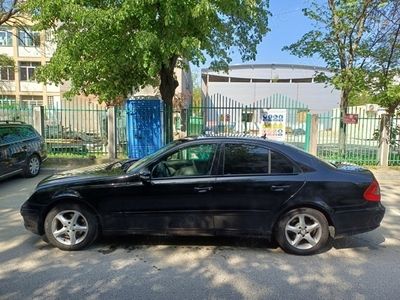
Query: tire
(32, 167)
(70, 227)
(302, 231)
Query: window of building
(50, 102)
(7, 73)
(238, 79)
(27, 70)
(31, 100)
(7, 100)
(215, 78)
(5, 36)
(29, 38)
(301, 80)
(261, 80)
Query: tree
(8, 10)
(341, 27)
(383, 51)
(108, 47)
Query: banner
(273, 124)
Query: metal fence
(82, 129)
(69, 130)
(219, 115)
(361, 145)
(394, 142)
(15, 112)
(76, 129)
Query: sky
(287, 25)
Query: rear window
(12, 134)
(26, 132)
(8, 135)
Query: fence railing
(220, 115)
(361, 145)
(82, 129)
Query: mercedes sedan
(209, 186)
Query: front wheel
(70, 227)
(302, 231)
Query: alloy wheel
(34, 165)
(69, 227)
(303, 231)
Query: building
(248, 84)
(29, 50)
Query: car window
(26, 132)
(281, 165)
(8, 135)
(252, 159)
(189, 161)
(246, 159)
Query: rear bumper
(358, 221)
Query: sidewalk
(387, 173)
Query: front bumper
(358, 221)
(32, 218)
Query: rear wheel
(70, 227)
(302, 231)
(32, 167)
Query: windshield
(143, 161)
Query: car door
(178, 196)
(254, 182)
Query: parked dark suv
(22, 149)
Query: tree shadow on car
(130, 242)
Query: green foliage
(108, 47)
(338, 38)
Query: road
(365, 266)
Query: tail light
(373, 192)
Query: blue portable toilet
(145, 123)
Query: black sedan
(209, 186)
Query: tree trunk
(168, 84)
(344, 103)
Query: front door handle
(279, 188)
(203, 189)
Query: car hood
(98, 173)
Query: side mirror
(145, 175)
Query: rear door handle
(279, 188)
(203, 189)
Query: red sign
(350, 119)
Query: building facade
(248, 84)
(29, 50)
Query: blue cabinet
(145, 123)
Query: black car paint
(15, 154)
(214, 204)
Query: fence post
(112, 130)
(383, 150)
(308, 133)
(314, 135)
(38, 119)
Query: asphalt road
(365, 266)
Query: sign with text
(273, 124)
(350, 119)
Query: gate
(220, 115)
